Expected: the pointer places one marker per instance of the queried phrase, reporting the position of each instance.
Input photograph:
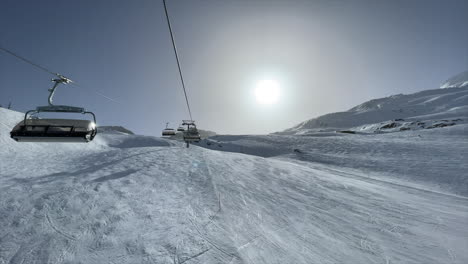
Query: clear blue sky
(327, 55)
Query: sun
(267, 92)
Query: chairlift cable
(29, 62)
(53, 73)
(98, 93)
(177, 59)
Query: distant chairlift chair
(191, 134)
(55, 130)
(167, 132)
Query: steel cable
(177, 59)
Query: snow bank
(131, 141)
(114, 129)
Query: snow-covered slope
(432, 159)
(438, 104)
(114, 129)
(133, 199)
(457, 81)
(430, 150)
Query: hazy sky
(327, 56)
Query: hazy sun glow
(267, 91)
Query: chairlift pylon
(53, 129)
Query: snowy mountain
(458, 81)
(321, 197)
(432, 122)
(435, 105)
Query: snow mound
(131, 141)
(457, 81)
(114, 129)
(263, 146)
(120, 137)
(203, 134)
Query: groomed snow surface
(303, 197)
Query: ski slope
(418, 140)
(137, 199)
(431, 159)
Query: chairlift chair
(53, 129)
(167, 132)
(181, 129)
(191, 134)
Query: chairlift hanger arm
(60, 80)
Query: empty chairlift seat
(191, 134)
(168, 132)
(54, 130)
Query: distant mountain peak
(451, 102)
(457, 81)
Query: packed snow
(397, 196)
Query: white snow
(445, 103)
(303, 197)
(459, 80)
